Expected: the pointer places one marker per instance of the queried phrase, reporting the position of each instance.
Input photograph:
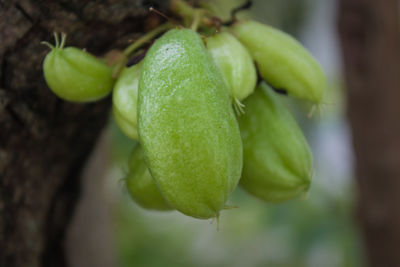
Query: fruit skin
(125, 125)
(277, 160)
(125, 95)
(235, 63)
(141, 185)
(77, 76)
(282, 61)
(187, 127)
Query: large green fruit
(282, 61)
(141, 185)
(235, 63)
(277, 160)
(187, 127)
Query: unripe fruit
(125, 100)
(277, 161)
(282, 61)
(141, 185)
(187, 127)
(75, 75)
(235, 63)
(125, 125)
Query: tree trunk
(44, 141)
(370, 35)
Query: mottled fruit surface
(187, 127)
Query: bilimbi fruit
(125, 95)
(141, 185)
(187, 127)
(235, 63)
(177, 103)
(282, 61)
(75, 75)
(277, 160)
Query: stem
(145, 38)
(56, 39)
(63, 38)
(182, 8)
(196, 19)
(118, 67)
(120, 64)
(186, 11)
(48, 44)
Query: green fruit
(277, 160)
(125, 100)
(125, 125)
(75, 75)
(235, 63)
(187, 127)
(282, 61)
(141, 185)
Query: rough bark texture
(370, 35)
(44, 141)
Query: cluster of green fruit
(179, 102)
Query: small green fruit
(125, 100)
(282, 61)
(141, 185)
(277, 160)
(75, 75)
(187, 127)
(235, 63)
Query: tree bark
(44, 141)
(370, 36)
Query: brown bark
(44, 141)
(370, 35)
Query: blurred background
(316, 231)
